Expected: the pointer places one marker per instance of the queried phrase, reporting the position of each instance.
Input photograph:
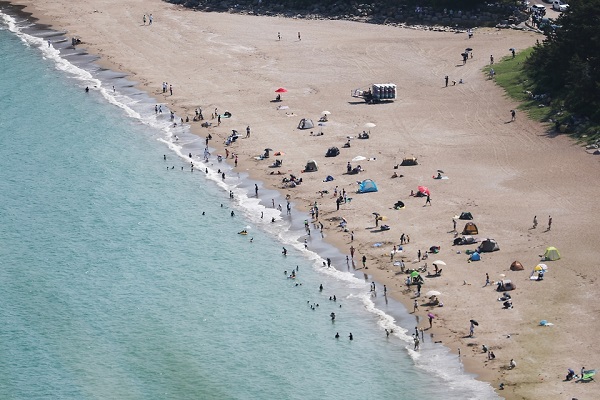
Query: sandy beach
(504, 172)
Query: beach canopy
(551, 254)
(488, 245)
(306, 123)
(311, 166)
(367, 186)
(516, 266)
(470, 229)
(409, 161)
(466, 215)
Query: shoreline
(340, 242)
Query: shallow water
(115, 285)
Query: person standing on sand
(415, 306)
(454, 225)
(144, 19)
(446, 79)
(428, 201)
(549, 222)
(491, 60)
(256, 190)
(513, 115)
(430, 316)
(352, 252)
(299, 38)
(535, 222)
(248, 131)
(151, 18)
(487, 280)
(278, 35)
(364, 262)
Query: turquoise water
(116, 286)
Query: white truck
(559, 5)
(378, 92)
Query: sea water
(122, 275)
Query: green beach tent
(551, 254)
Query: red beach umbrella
(281, 90)
(424, 190)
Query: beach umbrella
(268, 149)
(370, 125)
(359, 158)
(540, 267)
(439, 262)
(281, 90)
(474, 322)
(414, 274)
(423, 190)
(502, 275)
(432, 293)
(468, 49)
(326, 112)
(430, 315)
(440, 171)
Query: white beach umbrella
(432, 293)
(359, 158)
(370, 125)
(326, 112)
(438, 262)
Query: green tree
(567, 64)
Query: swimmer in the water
(350, 336)
(251, 240)
(273, 219)
(232, 213)
(337, 335)
(284, 252)
(87, 89)
(203, 212)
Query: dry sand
(504, 173)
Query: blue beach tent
(367, 186)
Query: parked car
(538, 9)
(559, 5)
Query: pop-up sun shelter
(409, 161)
(367, 186)
(306, 123)
(465, 215)
(516, 266)
(488, 245)
(332, 152)
(551, 254)
(470, 229)
(311, 166)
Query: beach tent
(475, 257)
(470, 229)
(466, 215)
(332, 152)
(551, 254)
(306, 123)
(311, 166)
(409, 161)
(516, 266)
(506, 285)
(464, 240)
(488, 245)
(367, 186)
